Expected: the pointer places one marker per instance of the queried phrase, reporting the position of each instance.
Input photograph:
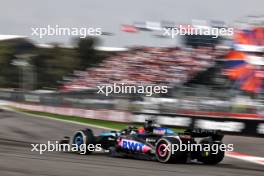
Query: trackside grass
(96, 122)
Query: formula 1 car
(153, 142)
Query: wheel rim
(78, 139)
(163, 154)
(162, 151)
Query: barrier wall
(233, 126)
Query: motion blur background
(207, 77)
(213, 83)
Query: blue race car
(153, 142)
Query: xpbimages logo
(57, 147)
(189, 30)
(57, 30)
(194, 147)
(122, 88)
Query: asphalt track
(18, 131)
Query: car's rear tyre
(82, 139)
(164, 153)
(210, 157)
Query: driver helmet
(150, 124)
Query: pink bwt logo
(134, 145)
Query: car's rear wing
(216, 135)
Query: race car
(153, 142)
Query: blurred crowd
(145, 66)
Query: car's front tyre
(82, 139)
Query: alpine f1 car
(152, 142)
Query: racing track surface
(18, 131)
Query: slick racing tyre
(210, 157)
(82, 139)
(165, 154)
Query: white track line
(61, 120)
(244, 157)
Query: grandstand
(169, 66)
